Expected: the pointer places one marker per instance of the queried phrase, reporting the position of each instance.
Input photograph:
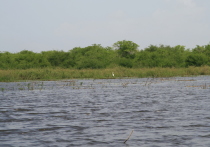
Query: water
(163, 112)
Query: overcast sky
(42, 25)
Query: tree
(126, 48)
(151, 48)
(196, 59)
(94, 57)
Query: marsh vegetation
(124, 59)
(50, 74)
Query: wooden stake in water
(128, 137)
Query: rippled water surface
(163, 112)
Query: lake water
(162, 112)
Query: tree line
(122, 53)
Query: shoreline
(53, 74)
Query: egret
(113, 74)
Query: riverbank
(48, 74)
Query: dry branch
(128, 136)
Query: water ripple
(166, 112)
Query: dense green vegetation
(123, 58)
(122, 53)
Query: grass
(48, 74)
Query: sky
(43, 25)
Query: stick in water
(128, 136)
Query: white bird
(113, 74)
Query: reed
(119, 72)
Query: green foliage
(6, 60)
(94, 57)
(126, 49)
(196, 59)
(125, 62)
(56, 58)
(124, 54)
(162, 56)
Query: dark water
(162, 112)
